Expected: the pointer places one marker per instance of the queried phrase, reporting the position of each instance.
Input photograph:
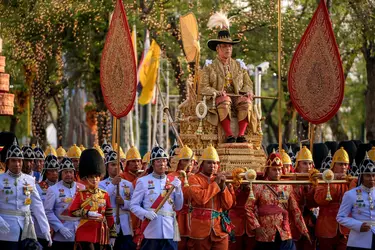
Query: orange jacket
(326, 225)
(129, 177)
(206, 200)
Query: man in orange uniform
(183, 171)
(273, 209)
(132, 165)
(330, 234)
(304, 196)
(209, 198)
(96, 229)
(245, 238)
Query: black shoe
(241, 139)
(230, 139)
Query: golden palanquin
(199, 134)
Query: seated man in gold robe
(230, 83)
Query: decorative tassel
(200, 128)
(328, 197)
(251, 194)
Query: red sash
(138, 237)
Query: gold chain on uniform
(228, 75)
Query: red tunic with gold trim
(94, 230)
(271, 212)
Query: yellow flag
(148, 73)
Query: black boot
(241, 139)
(230, 139)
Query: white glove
(66, 233)
(4, 226)
(176, 183)
(94, 214)
(47, 236)
(151, 215)
(112, 241)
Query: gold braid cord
(313, 177)
(237, 179)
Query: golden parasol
(189, 36)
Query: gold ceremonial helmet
(97, 147)
(185, 153)
(133, 154)
(146, 157)
(50, 150)
(82, 148)
(122, 154)
(371, 154)
(74, 152)
(340, 156)
(285, 157)
(61, 152)
(210, 154)
(304, 155)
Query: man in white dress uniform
(357, 210)
(18, 200)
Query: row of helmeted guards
(202, 201)
(202, 220)
(23, 222)
(323, 153)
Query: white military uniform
(147, 190)
(57, 200)
(42, 190)
(360, 203)
(19, 198)
(126, 192)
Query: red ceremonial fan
(316, 79)
(118, 75)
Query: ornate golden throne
(198, 133)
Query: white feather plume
(218, 20)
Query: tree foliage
(51, 45)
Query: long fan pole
(118, 127)
(279, 70)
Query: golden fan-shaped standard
(316, 79)
(189, 35)
(118, 75)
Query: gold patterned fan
(189, 35)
